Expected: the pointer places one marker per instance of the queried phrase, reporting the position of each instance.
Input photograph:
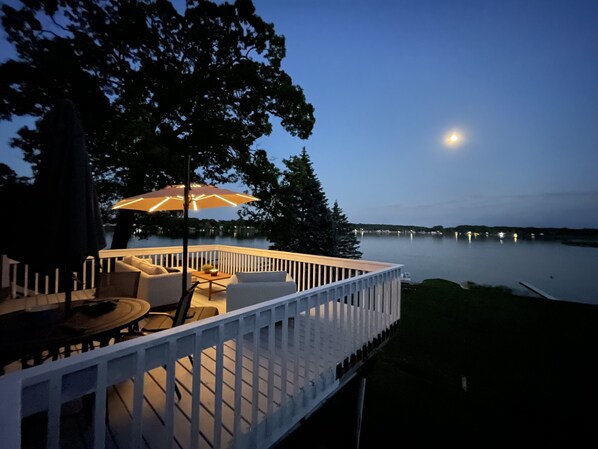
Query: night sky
(515, 81)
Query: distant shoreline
(578, 237)
(587, 243)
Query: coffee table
(211, 280)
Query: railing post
(10, 414)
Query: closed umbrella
(199, 196)
(63, 225)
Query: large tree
(13, 192)
(153, 86)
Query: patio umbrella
(198, 196)
(62, 226)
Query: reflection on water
(564, 271)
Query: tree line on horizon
(522, 231)
(230, 226)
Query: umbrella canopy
(199, 196)
(172, 198)
(63, 225)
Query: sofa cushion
(151, 268)
(135, 261)
(264, 276)
(160, 289)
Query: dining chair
(161, 320)
(117, 283)
(112, 284)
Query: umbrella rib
(153, 208)
(225, 200)
(127, 203)
(249, 197)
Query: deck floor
(260, 365)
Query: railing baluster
(219, 379)
(100, 407)
(139, 382)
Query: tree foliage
(295, 215)
(153, 85)
(345, 241)
(13, 193)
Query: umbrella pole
(185, 228)
(68, 287)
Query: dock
(537, 291)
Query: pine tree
(301, 220)
(294, 213)
(345, 242)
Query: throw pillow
(264, 276)
(136, 261)
(152, 269)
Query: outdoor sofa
(249, 288)
(158, 285)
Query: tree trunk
(123, 230)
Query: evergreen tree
(300, 220)
(345, 240)
(293, 211)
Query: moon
(453, 139)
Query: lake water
(563, 271)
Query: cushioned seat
(249, 288)
(158, 322)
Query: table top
(28, 332)
(210, 277)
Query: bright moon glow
(453, 139)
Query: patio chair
(117, 283)
(167, 319)
(113, 284)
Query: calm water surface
(563, 271)
(566, 272)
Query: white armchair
(249, 288)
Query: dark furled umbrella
(64, 222)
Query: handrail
(309, 271)
(306, 340)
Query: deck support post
(360, 401)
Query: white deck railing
(307, 270)
(343, 308)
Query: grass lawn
(530, 367)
